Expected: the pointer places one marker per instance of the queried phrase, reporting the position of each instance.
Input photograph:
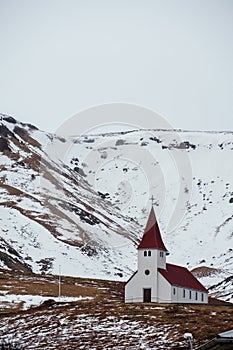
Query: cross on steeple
(152, 199)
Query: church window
(145, 253)
(202, 297)
(174, 291)
(161, 254)
(147, 272)
(196, 296)
(190, 294)
(183, 293)
(149, 253)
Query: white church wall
(161, 259)
(205, 298)
(134, 288)
(149, 257)
(164, 290)
(145, 278)
(191, 296)
(132, 293)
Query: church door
(147, 295)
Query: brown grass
(203, 321)
(45, 286)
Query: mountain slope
(49, 214)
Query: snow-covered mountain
(79, 202)
(189, 175)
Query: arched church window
(149, 253)
(145, 253)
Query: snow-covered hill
(189, 175)
(77, 201)
(50, 216)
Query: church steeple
(152, 238)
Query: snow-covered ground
(29, 301)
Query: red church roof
(181, 277)
(152, 237)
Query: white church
(157, 281)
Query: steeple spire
(152, 238)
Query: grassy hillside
(98, 319)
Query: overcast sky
(58, 57)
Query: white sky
(58, 57)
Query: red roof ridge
(152, 237)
